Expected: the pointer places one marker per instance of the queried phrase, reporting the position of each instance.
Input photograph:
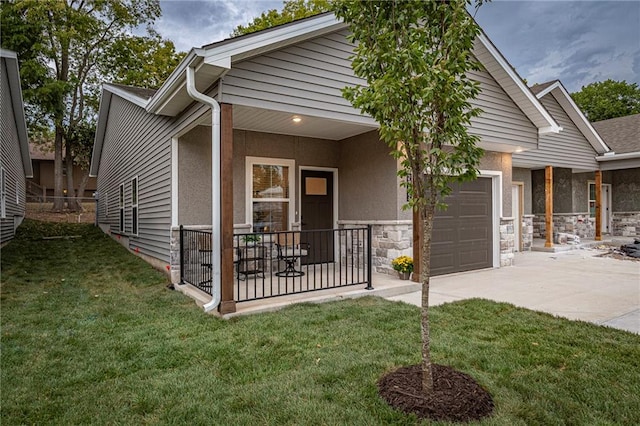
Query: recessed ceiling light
(296, 119)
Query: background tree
(292, 10)
(61, 47)
(415, 56)
(141, 61)
(608, 99)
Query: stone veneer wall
(527, 232)
(626, 224)
(507, 241)
(579, 224)
(389, 239)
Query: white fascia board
(17, 104)
(173, 83)
(552, 126)
(622, 156)
(242, 47)
(573, 111)
(101, 128)
(141, 102)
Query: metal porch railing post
(369, 258)
(181, 255)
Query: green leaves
(292, 10)
(415, 56)
(608, 99)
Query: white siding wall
(569, 148)
(11, 161)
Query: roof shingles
(622, 134)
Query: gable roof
(138, 95)
(622, 134)
(557, 90)
(10, 59)
(214, 60)
(537, 88)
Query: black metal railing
(195, 258)
(281, 263)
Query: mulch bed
(457, 397)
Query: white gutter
(216, 232)
(622, 156)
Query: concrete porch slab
(383, 286)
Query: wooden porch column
(416, 246)
(548, 205)
(598, 205)
(227, 302)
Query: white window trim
(249, 163)
(496, 198)
(121, 204)
(3, 193)
(589, 183)
(135, 221)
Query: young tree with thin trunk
(415, 57)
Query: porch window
(269, 193)
(3, 193)
(592, 199)
(121, 207)
(134, 205)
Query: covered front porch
(315, 206)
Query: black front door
(317, 215)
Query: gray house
(570, 158)
(252, 135)
(15, 163)
(590, 171)
(621, 168)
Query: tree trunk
(426, 214)
(82, 187)
(58, 182)
(72, 202)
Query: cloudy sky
(578, 42)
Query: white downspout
(216, 232)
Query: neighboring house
(621, 168)
(570, 157)
(294, 153)
(15, 163)
(40, 186)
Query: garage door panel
(462, 235)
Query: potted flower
(404, 266)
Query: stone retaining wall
(579, 224)
(389, 239)
(507, 241)
(626, 224)
(527, 232)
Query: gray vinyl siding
(501, 121)
(307, 78)
(137, 143)
(569, 148)
(11, 162)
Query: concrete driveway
(574, 284)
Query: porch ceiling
(269, 121)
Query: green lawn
(91, 335)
